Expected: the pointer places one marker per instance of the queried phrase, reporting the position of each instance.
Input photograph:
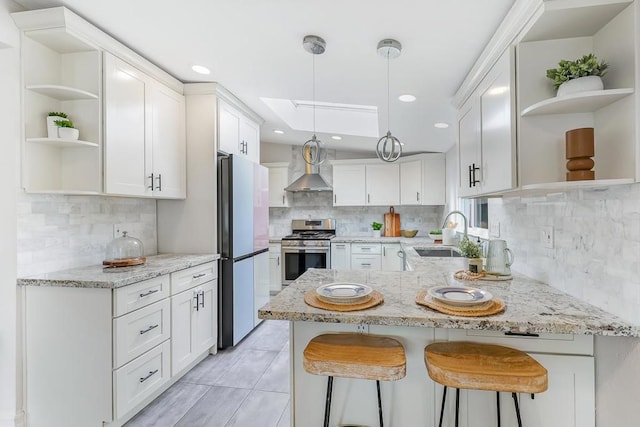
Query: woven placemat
(489, 308)
(311, 299)
(470, 276)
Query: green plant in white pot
(52, 128)
(66, 130)
(472, 252)
(376, 227)
(583, 74)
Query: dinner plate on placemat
(460, 296)
(375, 298)
(488, 308)
(344, 293)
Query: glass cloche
(124, 251)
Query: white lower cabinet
(367, 256)
(275, 268)
(366, 262)
(340, 256)
(392, 259)
(260, 284)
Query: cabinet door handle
(335, 198)
(417, 196)
(363, 264)
(521, 334)
(368, 198)
(384, 251)
(470, 180)
(196, 296)
(201, 293)
(197, 276)
(151, 178)
(148, 329)
(159, 178)
(146, 294)
(148, 376)
(475, 181)
(278, 260)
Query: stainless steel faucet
(444, 224)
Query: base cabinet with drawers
(97, 356)
(366, 256)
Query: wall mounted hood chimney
(311, 180)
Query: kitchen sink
(430, 252)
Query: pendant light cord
(314, 93)
(388, 92)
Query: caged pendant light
(389, 148)
(313, 151)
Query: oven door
(297, 260)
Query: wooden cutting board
(391, 223)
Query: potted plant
(66, 129)
(52, 128)
(583, 74)
(436, 235)
(471, 250)
(376, 227)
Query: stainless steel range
(308, 246)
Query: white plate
(460, 296)
(343, 292)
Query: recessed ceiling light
(441, 125)
(407, 98)
(278, 131)
(336, 137)
(201, 69)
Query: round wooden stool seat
(360, 356)
(466, 365)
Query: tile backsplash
(57, 232)
(596, 243)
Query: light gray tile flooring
(244, 386)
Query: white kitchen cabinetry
(145, 146)
(349, 184)
(275, 268)
(237, 133)
(486, 133)
(340, 256)
(392, 259)
(422, 181)
(382, 184)
(261, 284)
(109, 352)
(278, 181)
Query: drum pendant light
(389, 148)
(315, 154)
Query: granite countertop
(412, 241)
(94, 276)
(531, 306)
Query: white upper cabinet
(278, 181)
(237, 133)
(422, 181)
(349, 185)
(411, 182)
(145, 140)
(383, 182)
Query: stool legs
(444, 399)
(379, 403)
(327, 404)
(515, 402)
(498, 406)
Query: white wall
(10, 112)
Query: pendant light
(313, 151)
(389, 148)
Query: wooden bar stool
(483, 367)
(361, 356)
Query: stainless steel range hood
(311, 180)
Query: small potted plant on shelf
(436, 235)
(583, 74)
(52, 128)
(66, 129)
(471, 250)
(376, 227)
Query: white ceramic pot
(581, 84)
(52, 128)
(376, 233)
(68, 133)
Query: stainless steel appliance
(243, 241)
(308, 246)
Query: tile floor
(244, 386)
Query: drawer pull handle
(521, 334)
(368, 265)
(197, 276)
(148, 329)
(148, 376)
(146, 294)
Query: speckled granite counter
(94, 276)
(531, 305)
(410, 241)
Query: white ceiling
(254, 49)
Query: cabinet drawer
(190, 277)
(137, 332)
(366, 262)
(359, 248)
(544, 343)
(135, 381)
(138, 295)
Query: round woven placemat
(311, 299)
(489, 308)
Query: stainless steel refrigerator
(243, 233)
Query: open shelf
(62, 143)
(62, 93)
(580, 102)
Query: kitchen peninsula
(555, 328)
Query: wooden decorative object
(391, 223)
(579, 150)
(126, 262)
(490, 367)
(311, 298)
(351, 355)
